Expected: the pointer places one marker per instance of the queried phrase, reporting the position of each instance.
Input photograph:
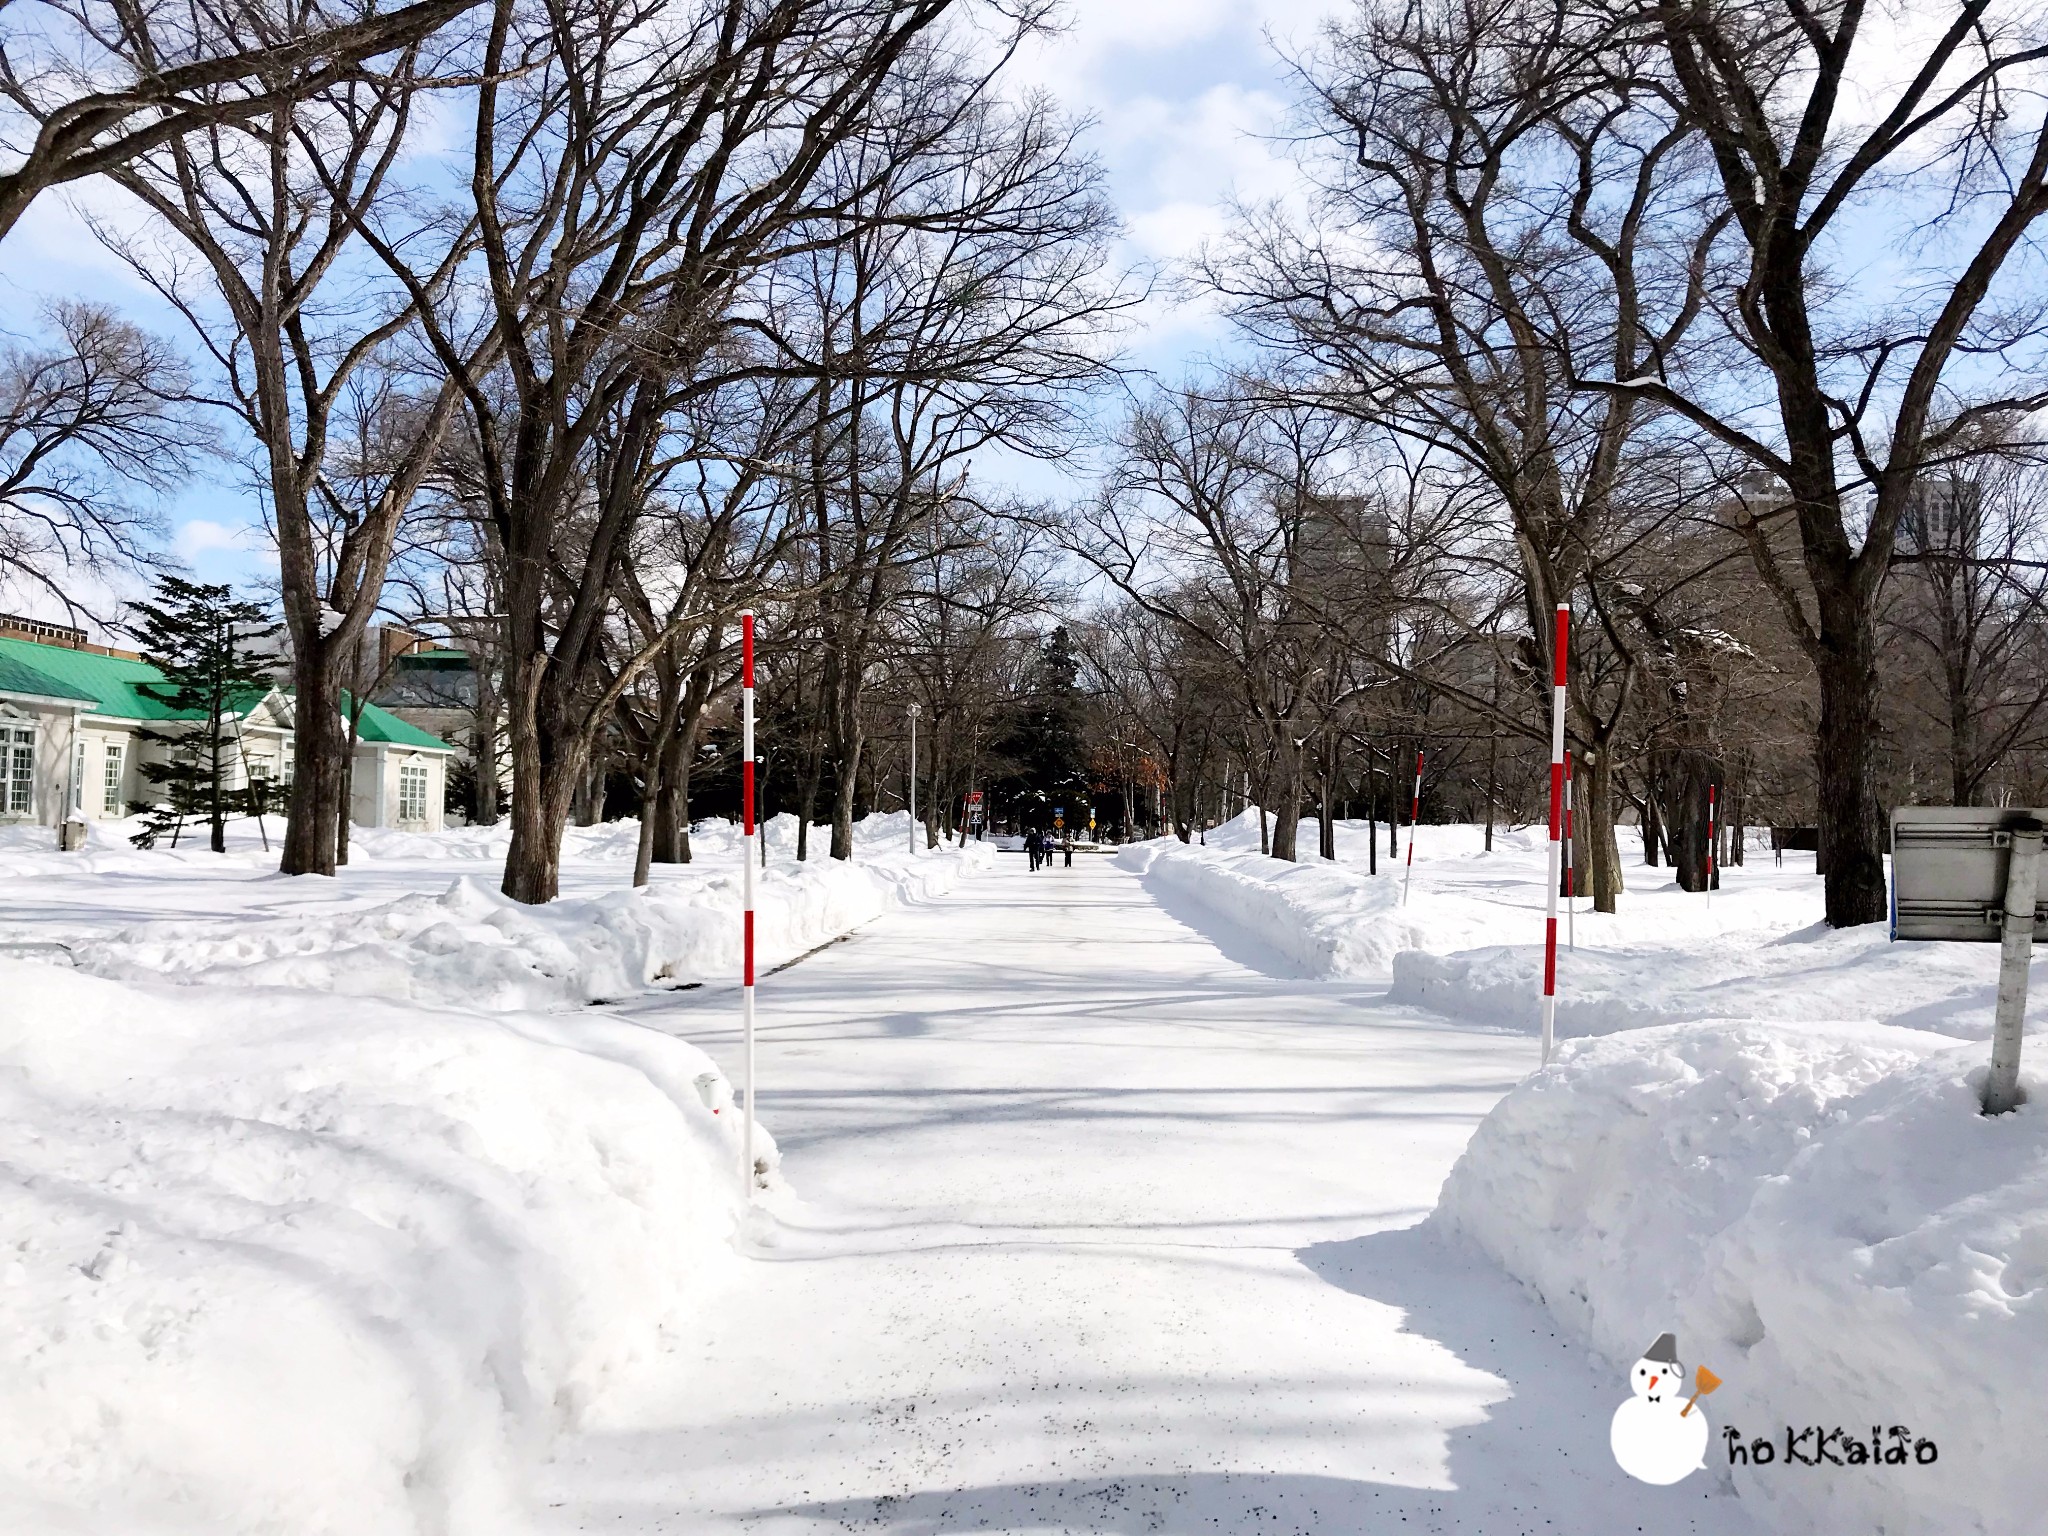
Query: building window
(19, 743)
(412, 793)
(78, 773)
(110, 784)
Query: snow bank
(1327, 919)
(1666, 956)
(1816, 973)
(470, 945)
(1825, 1220)
(275, 1262)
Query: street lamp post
(914, 712)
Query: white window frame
(77, 770)
(18, 751)
(413, 777)
(114, 779)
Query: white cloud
(201, 535)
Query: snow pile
(1328, 919)
(1819, 972)
(1825, 1220)
(284, 1263)
(1666, 956)
(470, 945)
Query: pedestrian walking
(1067, 847)
(1034, 847)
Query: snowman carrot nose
(1707, 1382)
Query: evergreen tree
(1047, 743)
(195, 635)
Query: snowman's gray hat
(1664, 1351)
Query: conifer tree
(196, 636)
(1047, 741)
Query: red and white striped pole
(1560, 644)
(747, 889)
(1414, 810)
(1571, 883)
(1712, 833)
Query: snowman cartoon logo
(1660, 1434)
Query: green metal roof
(379, 724)
(18, 676)
(119, 687)
(115, 685)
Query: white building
(72, 718)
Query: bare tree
(90, 415)
(1971, 607)
(1493, 215)
(104, 84)
(1821, 121)
(269, 209)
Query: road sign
(1950, 869)
(1969, 874)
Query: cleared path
(1102, 1230)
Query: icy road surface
(1102, 1227)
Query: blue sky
(1184, 94)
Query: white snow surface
(1468, 941)
(458, 940)
(1169, 1192)
(1771, 1146)
(320, 1210)
(1825, 1220)
(280, 1262)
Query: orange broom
(1704, 1381)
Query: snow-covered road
(1102, 1229)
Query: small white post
(1560, 643)
(747, 833)
(2016, 954)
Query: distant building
(72, 716)
(435, 688)
(1943, 516)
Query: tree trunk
(346, 801)
(844, 792)
(1605, 866)
(1851, 823)
(1372, 818)
(1328, 841)
(1287, 814)
(670, 842)
(650, 797)
(1492, 784)
(668, 705)
(546, 770)
(318, 767)
(1652, 831)
(1394, 809)
(1694, 773)
(807, 794)
(484, 754)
